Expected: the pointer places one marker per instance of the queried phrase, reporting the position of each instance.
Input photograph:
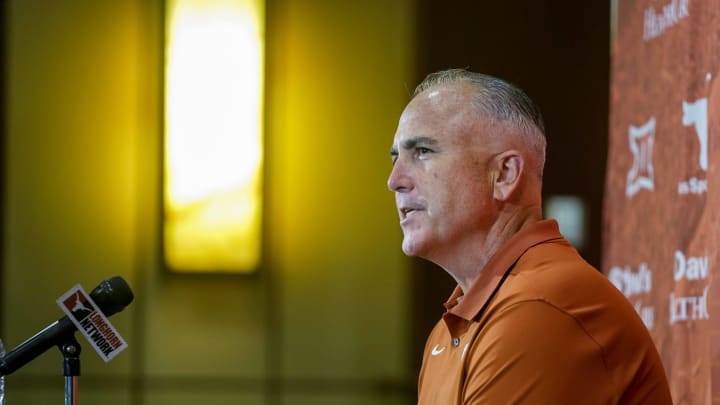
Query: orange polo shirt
(541, 326)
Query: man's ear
(509, 165)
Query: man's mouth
(405, 212)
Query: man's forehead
(443, 99)
(433, 93)
(448, 93)
(437, 112)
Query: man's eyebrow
(410, 143)
(413, 142)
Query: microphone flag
(92, 323)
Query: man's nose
(399, 179)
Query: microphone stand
(70, 349)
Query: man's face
(441, 173)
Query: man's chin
(412, 247)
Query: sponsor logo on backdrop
(641, 140)
(691, 307)
(692, 270)
(689, 267)
(635, 285)
(695, 116)
(656, 22)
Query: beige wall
(325, 321)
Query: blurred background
(334, 313)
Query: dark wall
(3, 126)
(559, 53)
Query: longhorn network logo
(92, 323)
(641, 141)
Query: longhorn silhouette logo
(695, 114)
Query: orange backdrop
(662, 207)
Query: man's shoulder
(554, 269)
(555, 274)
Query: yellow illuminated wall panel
(213, 134)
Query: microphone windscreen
(112, 295)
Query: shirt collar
(489, 279)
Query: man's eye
(423, 151)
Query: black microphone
(111, 296)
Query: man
(530, 321)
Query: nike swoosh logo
(435, 350)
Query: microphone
(111, 296)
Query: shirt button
(456, 342)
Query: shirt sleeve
(534, 353)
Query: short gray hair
(500, 100)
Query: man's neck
(466, 264)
